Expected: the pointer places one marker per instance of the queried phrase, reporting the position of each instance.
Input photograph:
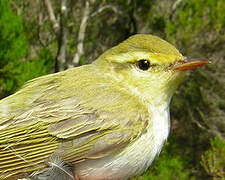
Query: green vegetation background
(196, 146)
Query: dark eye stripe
(143, 64)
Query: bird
(107, 120)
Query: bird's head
(148, 66)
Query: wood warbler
(102, 121)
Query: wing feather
(71, 117)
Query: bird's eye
(143, 64)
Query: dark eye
(143, 64)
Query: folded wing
(68, 116)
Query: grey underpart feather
(58, 170)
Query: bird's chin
(176, 79)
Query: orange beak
(188, 64)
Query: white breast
(137, 157)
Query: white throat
(160, 124)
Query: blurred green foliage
(195, 18)
(13, 45)
(213, 160)
(188, 21)
(15, 70)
